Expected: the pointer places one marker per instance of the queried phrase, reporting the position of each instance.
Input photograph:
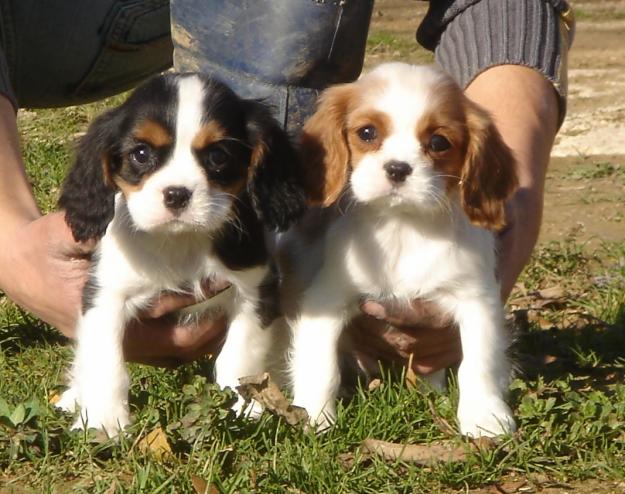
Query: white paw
(251, 409)
(112, 421)
(68, 401)
(485, 417)
(321, 418)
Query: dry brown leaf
(421, 454)
(200, 486)
(262, 389)
(553, 292)
(552, 297)
(513, 486)
(155, 442)
(374, 384)
(549, 359)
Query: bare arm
(525, 108)
(17, 203)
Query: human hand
(43, 269)
(392, 333)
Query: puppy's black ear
(88, 192)
(274, 187)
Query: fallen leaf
(374, 384)
(553, 292)
(549, 359)
(511, 487)
(421, 454)
(155, 442)
(262, 389)
(200, 486)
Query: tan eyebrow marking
(210, 132)
(152, 133)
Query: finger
(433, 363)
(165, 342)
(380, 341)
(168, 302)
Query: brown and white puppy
(416, 176)
(178, 184)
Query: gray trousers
(284, 51)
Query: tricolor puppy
(415, 177)
(179, 184)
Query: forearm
(17, 203)
(525, 108)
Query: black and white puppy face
(182, 150)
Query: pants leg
(282, 51)
(73, 51)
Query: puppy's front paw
(320, 418)
(485, 417)
(68, 401)
(112, 421)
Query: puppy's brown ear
(88, 192)
(489, 172)
(324, 152)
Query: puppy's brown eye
(141, 155)
(438, 143)
(368, 133)
(217, 156)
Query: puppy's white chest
(398, 259)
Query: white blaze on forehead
(407, 93)
(182, 168)
(190, 111)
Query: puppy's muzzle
(176, 198)
(397, 171)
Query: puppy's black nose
(397, 171)
(176, 197)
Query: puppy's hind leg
(245, 353)
(484, 372)
(314, 360)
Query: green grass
(569, 397)
(386, 45)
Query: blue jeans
(284, 51)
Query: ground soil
(586, 178)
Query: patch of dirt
(586, 179)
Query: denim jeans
(67, 52)
(284, 51)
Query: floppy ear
(489, 172)
(88, 192)
(273, 183)
(324, 151)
